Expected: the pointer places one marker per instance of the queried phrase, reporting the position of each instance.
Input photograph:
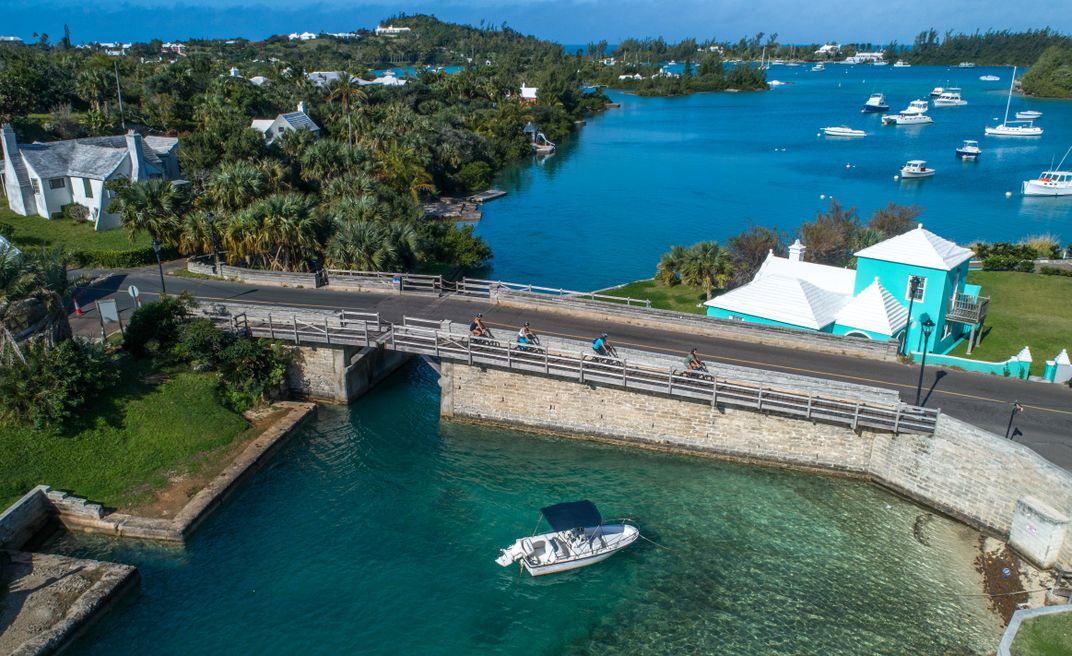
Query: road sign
(133, 291)
(108, 310)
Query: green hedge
(119, 258)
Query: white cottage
(272, 129)
(40, 178)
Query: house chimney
(137, 160)
(796, 252)
(11, 182)
(234, 72)
(301, 106)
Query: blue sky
(567, 21)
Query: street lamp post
(913, 287)
(1016, 407)
(928, 327)
(156, 249)
(210, 218)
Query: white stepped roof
(918, 247)
(874, 309)
(785, 299)
(261, 124)
(832, 279)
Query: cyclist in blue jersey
(602, 346)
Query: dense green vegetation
(1047, 635)
(992, 47)
(352, 198)
(1026, 309)
(1051, 75)
(637, 65)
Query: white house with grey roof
(272, 129)
(40, 178)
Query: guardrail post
(581, 369)
(808, 414)
(469, 351)
(897, 420)
(327, 333)
(759, 399)
(364, 326)
(294, 320)
(714, 394)
(670, 382)
(856, 416)
(625, 372)
(509, 364)
(271, 326)
(546, 362)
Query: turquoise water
(663, 171)
(375, 533)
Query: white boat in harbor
(966, 65)
(1029, 115)
(1050, 183)
(969, 150)
(950, 98)
(1013, 128)
(578, 538)
(937, 91)
(906, 119)
(902, 64)
(843, 131)
(989, 78)
(916, 107)
(876, 103)
(818, 67)
(916, 168)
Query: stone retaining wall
(22, 519)
(204, 266)
(962, 471)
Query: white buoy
(896, 178)
(822, 196)
(818, 134)
(848, 166)
(1008, 194)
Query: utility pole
(119, 94)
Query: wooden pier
(485, 196)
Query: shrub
(75, 212)
(154, 327)
(119, 259)
(251, 370)
(200, 343)
(475, 176)
(1003, 256)
(55, 383)
(1056, 271)
(1044, 246)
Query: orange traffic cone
(77, 310)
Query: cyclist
(477, 327)
(693, 362)
(525, 336)
(602, 346)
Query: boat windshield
(572, 514)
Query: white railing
(427, 337)
(395, 282)
(480, 287)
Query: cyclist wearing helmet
(602, 346)
(525, 336)
(477, 327)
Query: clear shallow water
(663, 171)
(375, 533)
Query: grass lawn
(679, 298)
(128, 445)
(1026, 309)
(1047, 635)
(39, 231)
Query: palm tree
(34, 288)
(402, 167)
(235, 185)
(280, 232)
(346, 90)
(668, 271)
(706, 265)
(153, 206)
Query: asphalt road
(986, 401)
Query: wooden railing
(485, 288)
(427, 337)
(968, 309)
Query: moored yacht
(916, 168)
(1029, 115)
(876, 103)
(818, 67)
(578, 538)
(902, 64)
(1050, 183)
(916, 107)
(950, 98)
(906, 119)
(966, 65)
(989, 78)
(937, 91)
(1013, 128)
(843, 131)
(969, 150)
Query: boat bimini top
(572, 514)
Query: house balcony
(967, 309)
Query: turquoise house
(897, 285)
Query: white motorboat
(1013, 128)
(916, 168)
(818, 67)
(541, 145)
(1050, 183)
(578, 538)
(950, 98)
(966, 65)
(906, 119)
(989, 78)
(916, 107)
(875, 104)
(1029, 115)
(902, 64)
(937, 91)
(969, 150)
(843, 131)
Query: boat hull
(1012, 132)
(875, 109)
(550, 553)
(916, 176)
(1036, 188)
(967, 154)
